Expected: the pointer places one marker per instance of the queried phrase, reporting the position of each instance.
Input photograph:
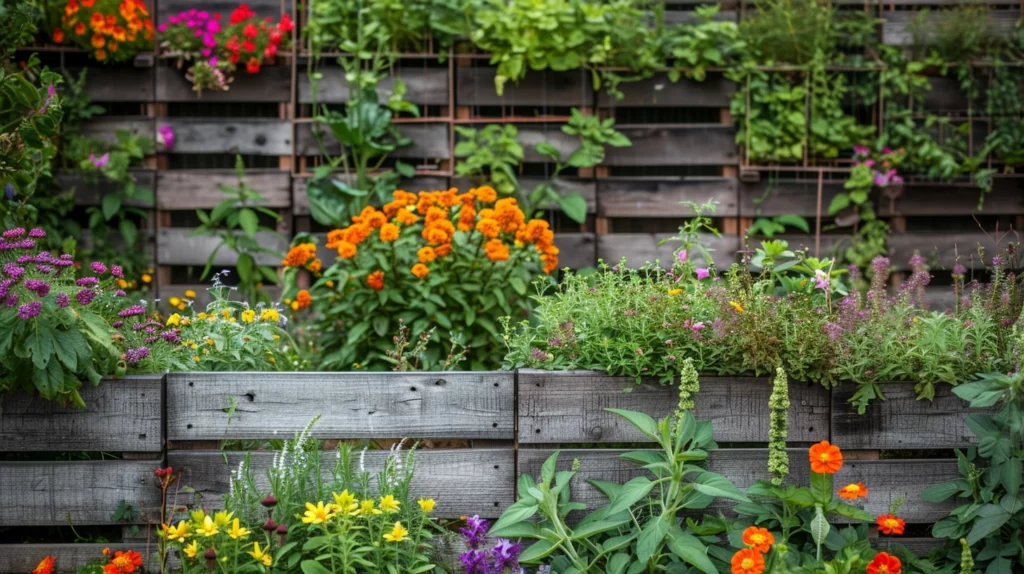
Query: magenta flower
(37, 286)
(133, 356)
(13, 270)
(682, 256)
(13, 233)
(85, 296)
(165, 137)
(132, 311)
(88, 282)
(63, 300)
(172, 20)
(116, 271)
(163, 27)
(703, 273)
(29, 310)
(11, 300)
(861, 150)
(98, 267)
(100, 162)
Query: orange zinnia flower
(389, 232)
(890, 524)
(376, 280)
(124, 562)
(100, 55)
(496, 250)
(436, 213)
(486, 194)
(443, 250)
(825, 458)
(58, 36)
(303, 299)
(45, 566)
(758, 538)
(885, 564)
(88, 3)
(853, 491)
(747, 561)
(315, 265)
(299, 255)
(98, 41)
(80, 28)
(96, 20)
(420, 270)
(426, 254)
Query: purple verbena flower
(132, 311)
(37, 233)
(98, 267)
(13, 270)
(116, 271)
(85, 296)
(37, 286)
(13, 233)
(120, 293)
(88, 282)
(997, 261)
(44, 268)
(133, 356)
(11, 300)
(29, 310)
(117, 324)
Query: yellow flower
(388, 504)
(426, 504)
(737, 306)
(180, 532)
(182, 306)
(174, 301)
(201, 316)
(196, 358)
(330, 284)
(248, 315)
(397, 534)
(147, 278)
(295, 305)
(237, 531)
(190, 294)
(210, 342)
(174, 319)
(122, 283)
(914, 320)
(193, 346)
(345, 502)
(223, 518)
(192, 549)
(366, 507)
(226, 313)
(674, 292)
(270, 315)
(208, 528)
(317, 514)
(198, 516)
(185, 321)
(261, 554)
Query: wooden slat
(428, 141)
(119, 415)
(570, 407)
(262, 8)
(82, 493)
(186, 189)
(640, 248)
(464, 482)
(236, 135)
(576, 250)
(697, 144)
(22, 558)
(425, 86)
(682, 17)
(896, 26)
(659, 197)
(887, 480)
(944, 247)
(532, 134)
(353, 405)
(475, 87)
(658, 91)
(785, 197)
(901, 421)
(300, 200)
(917, 546)
(90, 191)
(587, 188)
(271, 84)
(177, 246)
(117, 84)
(105, 128)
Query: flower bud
(269, 525)
(269, 501)
(210, 554)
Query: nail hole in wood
(537, 431)
(251, 396)
(494, 425)
(188, 426)
(191, 384)
(440, 382)
(413, 389)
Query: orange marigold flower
(884, 563)
(406, 217)
(508, 214)
(124, 562)
(443, 250)
(315, 265)
(488, 227)
(425, 201)
(496, 250)
(426, 254)
(98, 41)
(486, 194)
(346, 250)
(550, 261)
(112, 47)
(420, 270)
(100, 55)
(375, 220)
(532, 231)
(389, 232)
(435, 214)
(438, 232)
(80, 28)
(303, 299)
(88, 3)
(890, 524)
(119, 33)
(70, 9)
(825, 458)
(96, 20)
(299, 255)
(747, 561)
(404, 197)
(58, 36)
(376, 280)
(758, 538)
(334, 237)
(448, 198)
(468, 199)
(45, 566)
(357, 233)
(853, 491)
(467, 218)
(392, 208)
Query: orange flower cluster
(376, 280)
(303, 255)
(110, 29)
(750, 560)
(45, 566)
(302, 300)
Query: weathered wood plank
(300, 200)
(576, 250)
(475, 87)
(177, 246)
(90, 191)
(236, 135)
(532, 134)
(105, 128)
(943, 248)
(658, 91)
(896, 26)
(640, 248)
(186, 189)
(684, 16)
(262, 8)
(428, 141)
(570, 407)
(887, 480)
(271, 84)
(660, 197)
(587, 188)
(119, 415)
(82, 493)
(22, 558)
(901, 421)
(464, 482)
(353, 405)
(424, 86)
(917, 546)
(696, 144)
(117, 84)
(772, 197)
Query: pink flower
(197, 33)
(682, 256)
(213, 61)
(162, 27)
(165, 137)
(206, 52)
(869, 163)
(100, 162)
(209, 41)
(703, 273)
(887, 150)
(213, 26)
(861, 150)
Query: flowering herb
(109, 30)
(482, 557)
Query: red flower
(890, 524)
(45, 566)
(885, 564)
(232, 44)
(271, 51)
(747, 561)
(825, 458)
(124, 563)
(241, 14)
(250, 31)
(234, 58)
(376, 280)
(252, 66)
(286, 24)
(275, 36)
(248, 46)
(58, 36)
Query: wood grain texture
(187, 189)
(262, 8)
(104, 84)
(772, 197)
(901, 421)
(640, 248)
(576, 250)
(91, 191)
(660, 92)
(659, 197)
(82, 493)
(475, 87)
(532, 134)
(696, 144)
(245, 136)
(300, 200)
(424, 86)
(896, 26)
(177, 246)
(105, 128)
(22, 558)
(888, 480)
(272, 84)
(464, 481)
(353, 405)
(586, 188)
(429, 141)
(120, 415)
(570, 407)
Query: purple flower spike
(133, 356)
(29, 310)
(13, 233)
(997, 261)
(475, 531)
(37, 233)
(88, 282)
(132, 311)
(13, 271)
(85, 296)
(37, 286)
(63, 300)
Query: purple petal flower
(13, 270)
(11, 300)
(997, 261)
(63, 300)
(959, 269)
(682, 256)
(13, 233)
(116, 271)
(37, 233)
(165, 137)
(172, 20)
(163, 27)
(85, 296)
(703, 273)
(132, 311)
(133, 356)
(37, 286)
(120, 293)
(98, 267)
(861, 150)
(100, 162)
(117, 324)
(88, 282)
(29, 310)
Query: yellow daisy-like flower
(270, 315)
(345, 502)
(182, 306)
(674, 292)
(180, 532)
(237, 531)
(208, 528)
(173, 320)
(198, 516)
(223, 518)
(367, 507)
(318, 514)
(201, 316)
(389, 504)
(226, 313)
(190, 294)
(261, 555)
(737, 306)
(147, 278)
(122, 283)
(248, 316)
(397, 534)
(426, 504)
(192, 549)
(174, 301)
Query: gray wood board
(897, 26)
(475, 87)
(576, 250)
(687, 144)
(352, 405)
(532, 134)
(640, 248)
(199, 189)
(177, 246)
(660, 92)
(105, 128)
(91, 191)
(117, 84)
(119, 415)
(425, 86)
(464, 482)
(273, 83)
(660, 197)
(236, 135)
(429, 141)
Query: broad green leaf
(538, 551)
(643, 423)
(991, 518)
(819, 526)
(718, 486)
(651, 536)
(111, 204)
(249, 221)
(631, 493)
(690, 549)
(313, 567)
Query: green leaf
(245, 266)
(521, 510)
(630, 494)
(643, 423)
(380, 325)
(690, 549)
(547, 470)
(538, 551)
(40, 342)
(839, 203)
(821, 487)
(574, 206)
(249, 221)
(313, 567)
(111, 204)
(129, 232)
(598, 526)
(941, 491)
(651, 536)
(990, 518)
(716, 485)
(819, 527)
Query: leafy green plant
(492, 154)
(770, 115)
(705, 43)
(236, 222)
(771, 226)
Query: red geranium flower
(885, 564)
(248, 46)
(252, 66)
(250, 31)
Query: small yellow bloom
(210, 342)
(174, 301)
(294, 305)
(190, 294)
(195, 358)
(180, 532)
(388, 504)
(737, 306)
(147, 278)
(261, 555)
(226, 313)
(914, 319)
(185, 321)
(397, 534)
(367, 508)
(122, 283)
(345, 502)
(223, 518)
(317, 514)
(248, 316)
(193, 346)
(277, 337)
(192, 549)
(201, 316)
(426, 504)
(237, 531)
(174, 319)
(182, 306)
(270, 315)
(208, 528)
(674, 292)
(330, 284)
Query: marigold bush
(109, 30)
(457, 261)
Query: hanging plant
(108, 30)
